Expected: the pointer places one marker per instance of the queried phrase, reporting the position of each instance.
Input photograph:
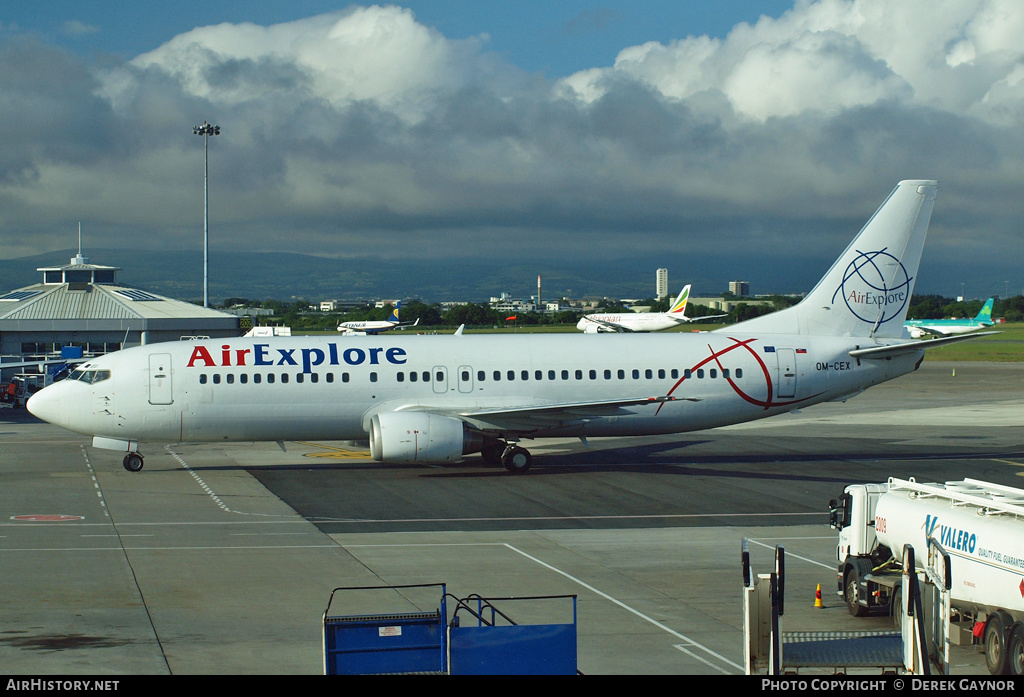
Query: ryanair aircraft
(438, 398)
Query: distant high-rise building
(740, 289)
(661, 284)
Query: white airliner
(375, 326)
(641, 321)
(435, 399)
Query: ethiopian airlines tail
(679, 308)
(867, 291)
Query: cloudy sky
(660, 132)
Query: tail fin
(394, 313)
(985, 315)
(867, 291)
(679, 308)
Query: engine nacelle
(419, 437)
(916, 333)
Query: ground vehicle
(978, 524)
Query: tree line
(298, 313)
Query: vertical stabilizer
(679, 307)
(867, 291)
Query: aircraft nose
(45, 404)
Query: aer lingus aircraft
(641, 321)
(436, 399)
(945, 327)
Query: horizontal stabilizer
(907, 347)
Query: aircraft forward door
(160, 379)
(787, 372)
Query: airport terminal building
(82, 305)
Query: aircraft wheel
(133, 462)
(996, 630)
(516, 460)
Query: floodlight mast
(206, 130)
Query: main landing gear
(133, 462)
(515, 459)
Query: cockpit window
(90, 376)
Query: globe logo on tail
(875, 287)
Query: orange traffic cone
(817, 597)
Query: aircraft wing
(536, 417)
(908, 346)
(36, 364)
(703, 317)
(611, 325)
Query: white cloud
(353, 131)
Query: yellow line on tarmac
(334, 453)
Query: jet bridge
(488, 642)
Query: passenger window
(439, 376)
(538, 375)
(330, 377)
(725, 373)
(622, 374)
(284, 378)
(525, 375)
(344, 377)
(686, 374)
(314, 377)
(497, 375)
(426, 376)
(231, 378)
(593, 375)
(700, 373)
(579, 374)
(648, 374)
(202, 379)
(565, 374)
(243, 378)
(636, 374)
(299, 377)
(511, 375)
(465, 375)
(713, 373)
(400, 377)
(373, 377)
(675, 373)
(739, 373)
(270, 378)
(257, 378)
(551, 375)
(216, 378)
(607, 375)
(480, 375)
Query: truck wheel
(996, 627)
(1015, 650)
(896, 606)
(851, 592)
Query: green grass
(1006, 346)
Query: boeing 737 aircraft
(945, 327)
(641, 321)
(435, 399)
(375, 326)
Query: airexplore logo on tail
(875, 287)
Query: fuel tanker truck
(979, 525)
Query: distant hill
(276, 276)
(262, 276)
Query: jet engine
(420, 437)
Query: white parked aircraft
(435, 399)
(641, 321)
(375, 326)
